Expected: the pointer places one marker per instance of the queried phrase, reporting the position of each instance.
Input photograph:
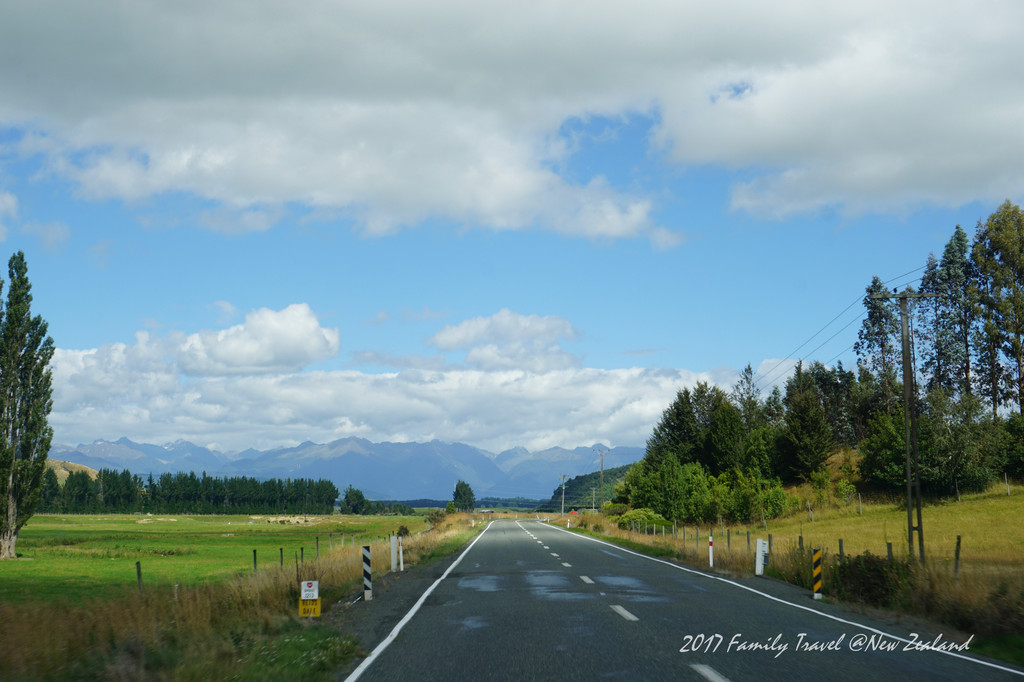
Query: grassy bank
(982, 594)
(70, 608)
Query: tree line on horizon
(716, 455)
(114, 492)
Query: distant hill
(583, 491)
(62, 469)
(383, 471)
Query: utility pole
(910, 424)
(601, 452)
(563, 494)
(592, 508)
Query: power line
(763, 380)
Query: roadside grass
(76, 558)
(982, 594)
(226, 623)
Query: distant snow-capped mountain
(380, 470)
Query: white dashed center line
(567, 565)
(623, 612)
(708, 673)
(586, 580)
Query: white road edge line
(624, 613)
(368, 661)
(783, 601)
(708, 673)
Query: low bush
(614, 508)
(640, 518)
(435, 517)
(873, 580)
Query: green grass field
(70, 607)
(72, 558)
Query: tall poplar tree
(949, 317)
(25, 403)
(999, 254)
(876, 341)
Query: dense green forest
(727, 454)
(125, 492)
(581, 492)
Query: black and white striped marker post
(367, 583)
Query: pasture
(70, 606)
(78, 557)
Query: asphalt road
(528, 601)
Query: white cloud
(52, 236)
(399, 112)
(508, 340)
(268, 341)
(503, 327)
(8, 209)
(491, 409)
(216, 388)
(225, 311)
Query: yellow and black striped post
(816, 574)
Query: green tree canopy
(463, 497)
(354, 502)
(25, 403)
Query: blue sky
(250, 227)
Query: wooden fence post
(956, 563)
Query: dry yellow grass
(62, 469)
(983, 595)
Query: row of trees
(728, 454)
(354, 502)
(124, 492)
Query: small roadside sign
(309, 608)
(309, 599)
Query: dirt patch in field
(294, 520)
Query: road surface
(530, 601)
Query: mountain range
(383, 471)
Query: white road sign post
(309, 598)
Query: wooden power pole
(910, 424)
(601, 452)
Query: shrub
(614, 508)
(820, 482)
(641, 516)
(872, 580)
(845, 490)
(402, 532)
(435, 517)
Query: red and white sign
(310, 589)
